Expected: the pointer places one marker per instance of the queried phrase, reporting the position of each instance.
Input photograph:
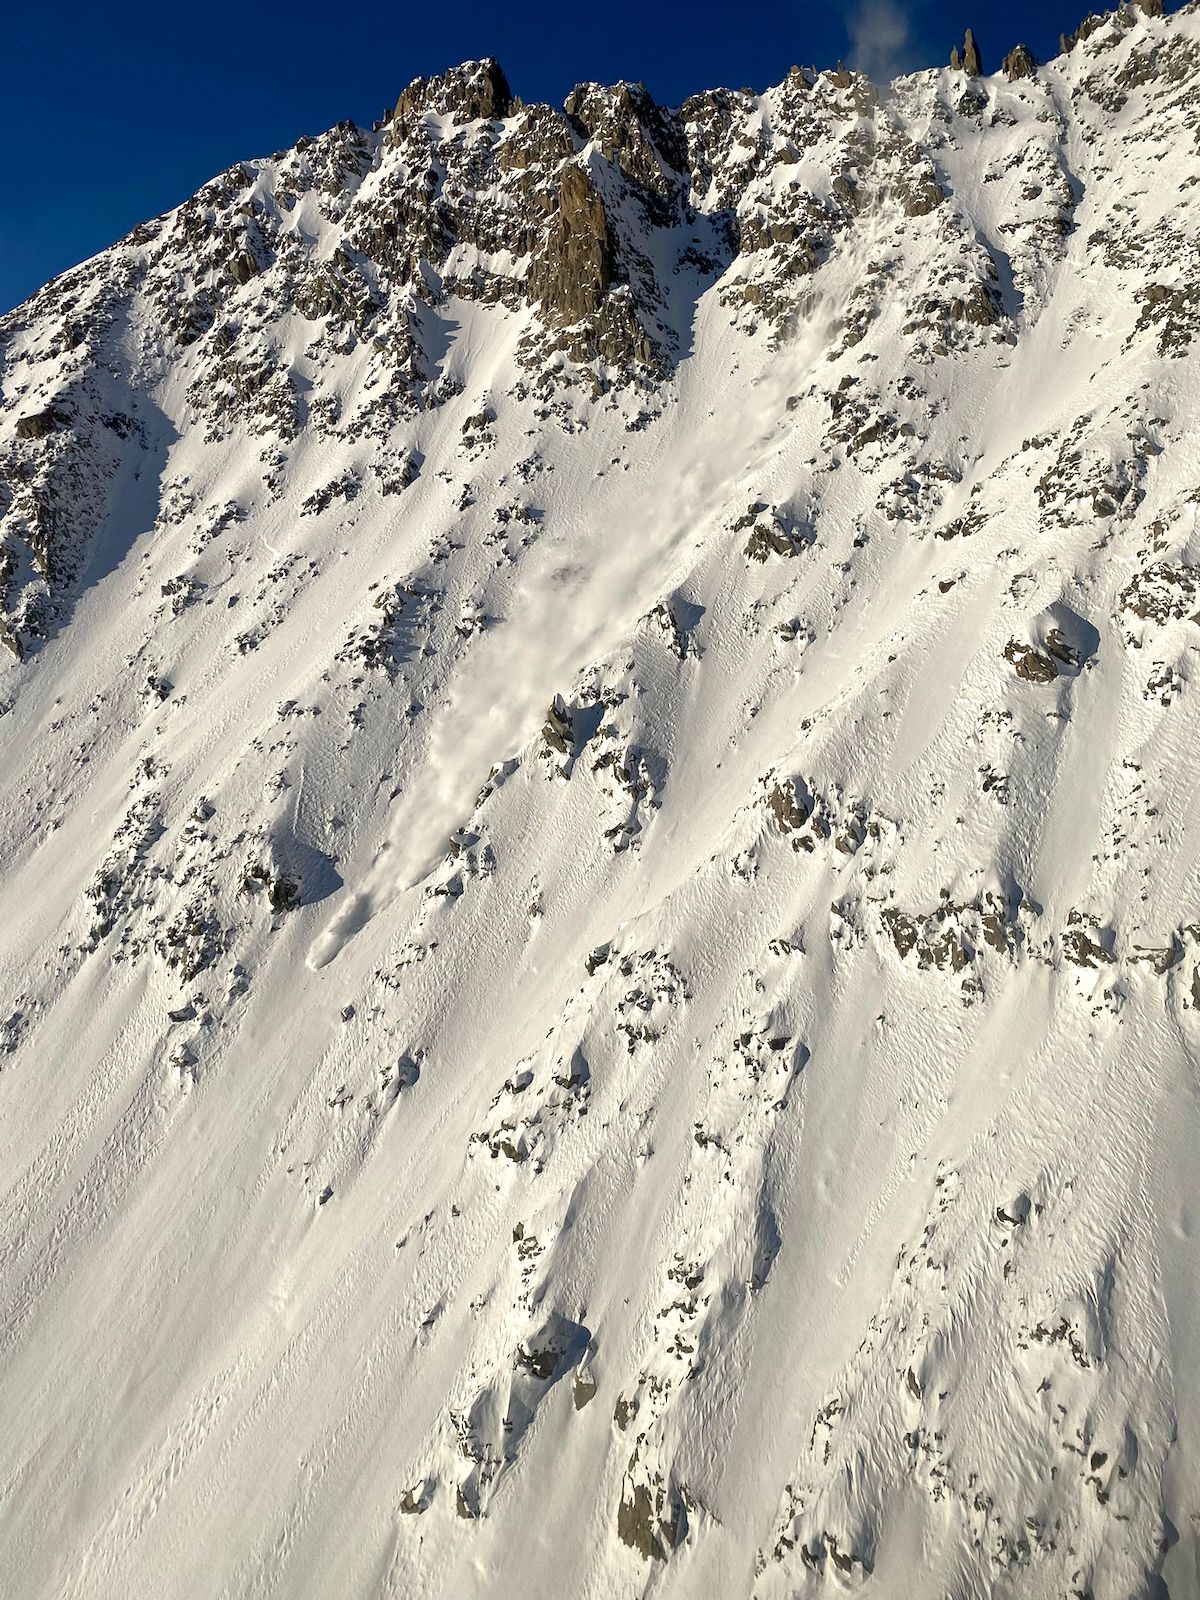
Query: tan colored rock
(476, 89)
(575, 265)
(1030, 664)
(1019, 63)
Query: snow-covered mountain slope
(599, 907)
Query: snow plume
(880, 41)
(574, 608)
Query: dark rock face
(967, 59)
(477, 89)
(790, 804)
(1090, 25)
(1030, 664)
(651, 1518)
(242, 267)
(980, 306)
(41, 424)
(636, 135)
(575, 265)
(1019, 63)
(770, 537)
(1175, 311)
(283, 893)
(559, 731)
(636, 1525)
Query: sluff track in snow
(599, 898)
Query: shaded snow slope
(600, 938)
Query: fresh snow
(764, 1131)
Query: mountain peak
(466, 93)
(599, 946)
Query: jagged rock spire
(1020, 62)
(575, 267)
(475, 89)
(968, 59)
(631, 130)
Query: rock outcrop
(967, 60)
(573, 270)
(598, 842)
(1019, 63)
(477, 89)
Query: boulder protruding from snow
(559, 732)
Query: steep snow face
(600, 945)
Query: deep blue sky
(114, 112)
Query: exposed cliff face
(599, 946)
(574, 266)
(477, 90)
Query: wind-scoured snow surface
(599, 897)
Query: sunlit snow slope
(599, 905)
